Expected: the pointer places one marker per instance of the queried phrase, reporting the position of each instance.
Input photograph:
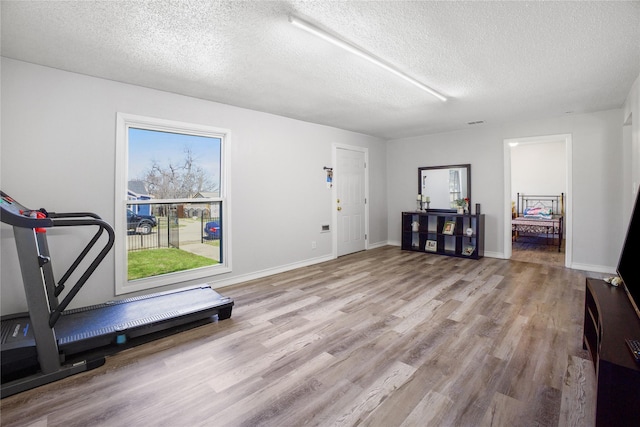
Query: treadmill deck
(113, 323)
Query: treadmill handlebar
(103, 226)
(73, 215)
(75, 222)
(17, 215)
(13, 213)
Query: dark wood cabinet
(444, 233)
(609, 319)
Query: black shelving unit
(429, 234)
(609, 319)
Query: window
(455, 191)
(172, 206)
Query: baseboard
(490, 254)
(280, 269)
(288, 267)
(594, 268)
(377, 245)
(268, 272)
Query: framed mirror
(444, 184)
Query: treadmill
(49, 342)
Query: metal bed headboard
(555, 202)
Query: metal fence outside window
(180, 226)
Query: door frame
(334, 191)
(568, 217)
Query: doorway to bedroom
(537, 176)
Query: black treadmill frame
(45, 311)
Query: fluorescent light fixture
(312, 29)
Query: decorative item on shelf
(461, 204)
(469, 231)
(419, 202)
(415, 226)
(426, 200)
(468, 250)
(449, 227)
(431, 246)
(477, 208)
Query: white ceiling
(496, 61)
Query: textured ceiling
(496, 61)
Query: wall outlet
(313, 244)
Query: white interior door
(350, 201)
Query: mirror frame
(463, 166)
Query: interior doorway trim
(334, 205)
(568, 219)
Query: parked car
(140, 224)
(212, 230)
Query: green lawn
(153, 262)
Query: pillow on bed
(542, 213)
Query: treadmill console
(13, 213)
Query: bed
(539, 215)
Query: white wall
(58, 147)
(480, 148)
(538, 168)
(598, 229)
(58, 152)
(631, 166)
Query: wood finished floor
(537, 250)
(378, 338)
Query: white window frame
(126, 121)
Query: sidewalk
(205, 249)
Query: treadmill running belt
(88, 327)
